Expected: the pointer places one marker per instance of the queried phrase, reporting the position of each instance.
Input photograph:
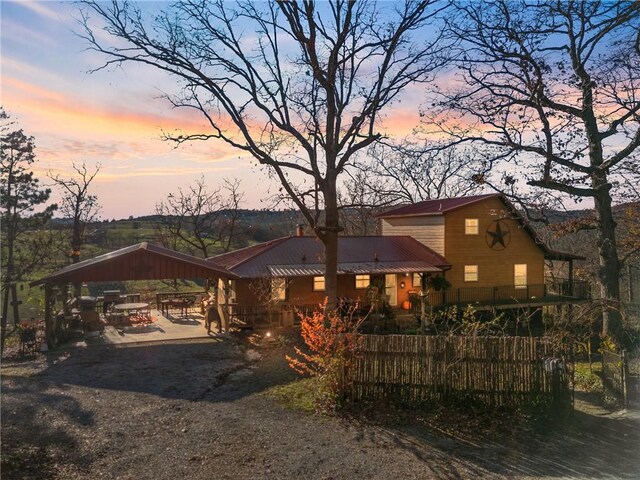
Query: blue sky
(112, 117)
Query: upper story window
(471, 273)
(520, 275)
(318, 284)
(471, 226)
(363, 281)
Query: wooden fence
(492, 370)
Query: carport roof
(144, 261)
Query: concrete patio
(166, 327)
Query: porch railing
(555, 290)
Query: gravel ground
(195, 410)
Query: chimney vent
(299, 230)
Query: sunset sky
(113, 117)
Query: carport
(144, 261)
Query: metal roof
(435, 207)
(307, 254)
(442, 206)
(143, 261)
(303, 270)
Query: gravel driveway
(195, 410)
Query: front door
(390, 289)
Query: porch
(555, 291)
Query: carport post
(227, 307)
(214, 282)
(48, 323)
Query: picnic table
(181, 303)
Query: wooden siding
(495, 268)
(300, 291)
(428, 230)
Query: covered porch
(132, 312)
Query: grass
(303, 395)
(586, 380)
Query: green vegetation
(106, 236)
(586, 379)
(304, 394)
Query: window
(318, 284)
(520, 275)
(471, 226)
(471, 273)
(278, 288)
(417, 281)
(362, 281)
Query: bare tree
(410, 173)
(552, 88)
(200, 220)
(360, 199)
(20, 193)
(298, 86)
(77, 204)
(403, 173)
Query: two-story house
(482, 246)
(495, 255)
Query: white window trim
(516, 276)
(477, 273)
(368, 280)
(413, 280)
(313, 284)
(476, 227)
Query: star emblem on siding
(498, 235)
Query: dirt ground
(196, 410)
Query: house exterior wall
(246, 291)
(299, 290)
(495, 267)
(428, 230)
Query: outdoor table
(131, 307)
(182, 303)
(126, 309)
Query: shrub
(333, 342)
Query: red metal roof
(442, 206)
(143, 261)
(385, 251)
(435, 207)
(233, 259)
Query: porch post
(424, 277)
(214, 291)
(227, 307)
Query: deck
(553, 292)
